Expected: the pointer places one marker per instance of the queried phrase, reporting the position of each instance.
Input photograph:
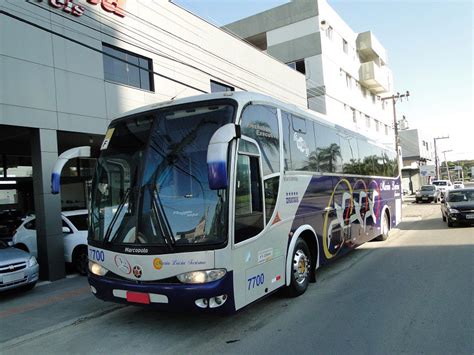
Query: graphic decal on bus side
(355, 207)
(349, 216)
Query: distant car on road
(443, 186)
(427, 193)
(17, 268)
(458, 207)
(75, 226)
(458, 185)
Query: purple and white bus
(213, 202)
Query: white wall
(50, 82)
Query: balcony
(377, 79)
(370, 49)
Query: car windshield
(428, 188)
(461, 196)
(151, 184)
(80, 221)
(440, 183)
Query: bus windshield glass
(151, 184)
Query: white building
(68, 67)
(346, 72)
(417, 150)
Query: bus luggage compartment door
(264, 278)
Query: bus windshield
(151, 184)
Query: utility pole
(436, 155)
(394, 99)
(446, 162)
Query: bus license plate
(138, 297)
(13, 277)
(470, 216)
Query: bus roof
(244, 97)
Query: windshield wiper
(108, 237)
(163, 223)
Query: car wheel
(300, 269)
(80, 260)
(450, 224)
(384, 228)
(22, 247)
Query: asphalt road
(410, 294)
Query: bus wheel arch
(308, 235)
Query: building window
(127, 68)
(298, 65)
(219, 87)
(377, 125)
(354, 117)
(373, 98)
(364, 91)
(367, 121)
(345, 46)
(386, 130)
(329, 32)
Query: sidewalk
(49, 306)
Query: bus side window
(248, 198)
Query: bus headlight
(200, 277)
(97, 269)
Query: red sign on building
(117, 7)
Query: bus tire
(80, 259)
(385, 228)
(300, 269)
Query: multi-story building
(417, 150)
(68, 67)
(346, 72)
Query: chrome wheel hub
(300, 266)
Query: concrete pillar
(49, 236)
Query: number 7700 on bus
(213, 202)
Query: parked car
(17, 268)
(458, 208)
(427, 193)
(458, 185)
(443, 186)
(75, 225)
(9, 222)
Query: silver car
(428, 193)
(17, 268)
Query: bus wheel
(385, 227)
(300, 269)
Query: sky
(430, 52)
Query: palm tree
(328, 157)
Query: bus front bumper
(168, 296)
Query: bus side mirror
(217, 155)
(79, 152)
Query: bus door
(258, 262)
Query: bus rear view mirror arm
(78, 152)
(217, 155)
